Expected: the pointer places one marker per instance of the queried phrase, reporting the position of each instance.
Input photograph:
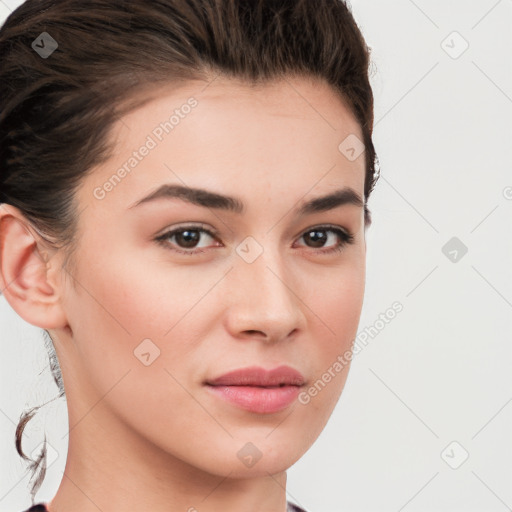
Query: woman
(184, 188)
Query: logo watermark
(359, 342)
(157, 135)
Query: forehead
(227, 134)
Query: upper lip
(257, 376)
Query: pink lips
(258, 390)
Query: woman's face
(151, 321)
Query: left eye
(187, 237)
(317, 235)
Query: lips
(258, 390)
(259, 377)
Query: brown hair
(56, 111)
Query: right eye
(186, 237)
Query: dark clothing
(294, 508)
(41, 507)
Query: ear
(26, 274)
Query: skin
(152, 437)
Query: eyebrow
(209, 199)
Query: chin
(260, 457)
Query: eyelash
(346, 238)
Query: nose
(265, 300)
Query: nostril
(251, 331)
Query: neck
(115, 473)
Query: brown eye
(189, 238)
(185, 237)
(318, 237)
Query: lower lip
(259, 400)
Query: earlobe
(25, 279)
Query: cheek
(129, 297)
(337, 301)
(336, 308)
(111, 310)
(125, 362)
(129, 313)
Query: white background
(441, 370)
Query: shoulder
(294, 508)
(39, 507)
